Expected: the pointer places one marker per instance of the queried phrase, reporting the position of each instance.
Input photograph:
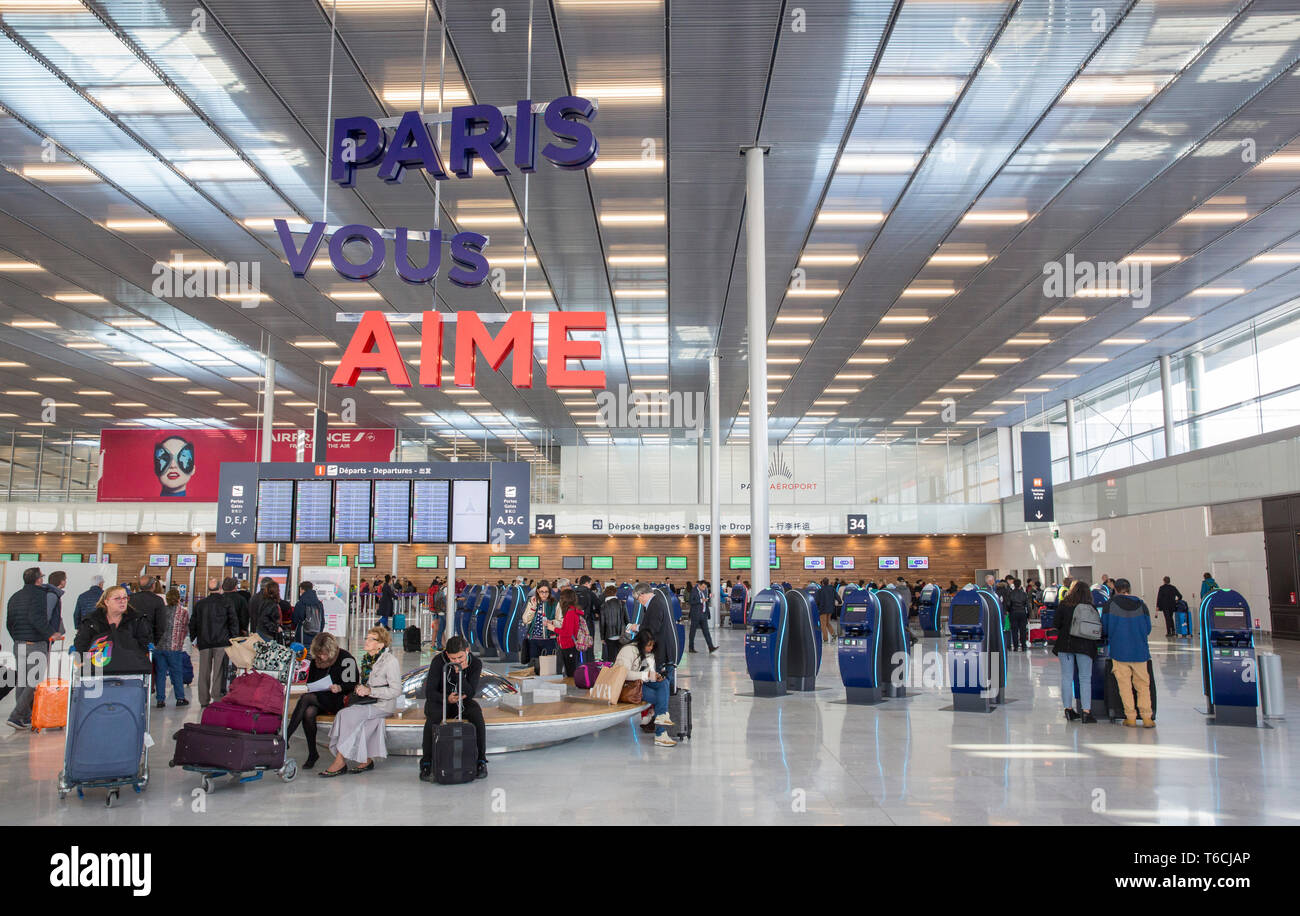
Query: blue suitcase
(399, 621)
(1183, 623)
(108, 718)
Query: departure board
(274, 511)
(430, 505)
(469, 512)
(391, 518)
(311, 519)
(352, 512)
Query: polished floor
(801, 759)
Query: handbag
(609, 684)
(271, 656)
(631, 692)
(353, 700)
(242, 650)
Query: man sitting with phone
(450, 668)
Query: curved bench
(508, 729)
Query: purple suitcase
(584, 676)
(227, 714)
(226, 749)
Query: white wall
(79, 576)
(1175, 543)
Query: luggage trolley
(105, 744)
(288, 767)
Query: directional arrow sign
(1036, 475)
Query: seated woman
(114, 637)
(337, 665)
(638, 658)
(358, 732)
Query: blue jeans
(165, 662)
(1070, 662)
(656, 693)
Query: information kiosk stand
(1228, 668)
(805, 645)
(931, 600)
(739, 604)
(767, 642)
(861, 663)
(976, 650)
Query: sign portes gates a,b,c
(1036, 476)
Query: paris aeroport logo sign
(476, 132)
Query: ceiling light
(318, 344)
(929, 291)
(1008, 403)
(86, 345)
(130, 362)
(221, 170)
(231, 404)
(1124, 341)
(1088, 359)
(96, 414)
(829, 260)
(167, 378)
(1087, 90)
(268, 222)
(915, 90)
(799, 319)
(640, 293)
(51, 378)
(1219, 291)
(905, 319)
(877, 163)
(1032, 390)
(129, 404)
(11, 364)
(920, 413)
(884, 342)
(788, 341)
(632, 219)
(1062, 319)
(1166, 319)
(93, 392)
(516, 260)
(1057, 375)
(1028, 342)
(131, 322)
(627, 165)
(629, 260)
(1151, 257)
(976, 376)
(1102, 292)
(850, 217)
(988, 413)
(136, 225)
(412, 96)
(488, 219)
(1000, 360)
(643, 319)
(621, 92)
(59, 173)
(810, 292)
(32, 323)
(854, 377)
(355, 295)
(1214, 216)
(955, 390)
(21, 393)
(868, 360)
(959, 259)
(205, 392)
(995, 216)
(19, 267)
(244, 297)
(842, 391)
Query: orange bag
(50, 706)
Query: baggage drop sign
(1036, 476)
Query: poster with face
(173, 463)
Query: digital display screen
(853, 614)
(498, 562)
(771, 552)
(336, 560)
(352, 512)
(426, 562)
(738, 563)
(775, 564)
(430, 505)
(814, 562)
(29, 558)
(70, 558)
(311, 520)
(469, 512)
(965, 615)
(887, 562)
(392, 512)
(460, 562)
(761, 612)
(274, 510)
(160, 559)
(918, 562)
(1231, 614)
(602, 562)
(647, 562)
(575, 563)
(844, 562)
(527, 562)
(365, 554)
(674, 562)
(187, 559)
(277, 574)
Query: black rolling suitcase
(455, 745)
(227, 749)
(411, 639)
(1114, 705)
(679, 710)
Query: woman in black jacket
(268, 614)
(1076, 654)
(327, 661)
(115, 637)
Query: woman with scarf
(539, 620)
(358, 730)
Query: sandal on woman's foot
(328, 773)
(365, 769)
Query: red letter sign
(472, 337)
(372, 332)
(559, 350)
(431, 351)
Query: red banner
(183, 465)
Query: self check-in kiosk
(767, 642)
(510, 626)
(465, 607)
(478, 622)
(931, 601)
(893, 640)
(864, 663)
(805, 645)
(739, 602)
(1228, 671)
(976, 650)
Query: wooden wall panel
(951, 557)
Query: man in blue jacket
(29, 624)
(1126, 623)
(87, 600)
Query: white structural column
(756, 303)
(1195, 378)
(268, 427)
(715, 497)
(1069, 437)
(1166, 400)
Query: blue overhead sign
(1036, 476)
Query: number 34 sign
(544, 524)
(857, 524)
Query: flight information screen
(392, 511)
(311, 520)
(275, 510)
(469, 512)
(352, 512)
(430, 505)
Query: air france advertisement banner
(183, 465)
(1036, 475)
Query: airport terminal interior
(935, 360)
